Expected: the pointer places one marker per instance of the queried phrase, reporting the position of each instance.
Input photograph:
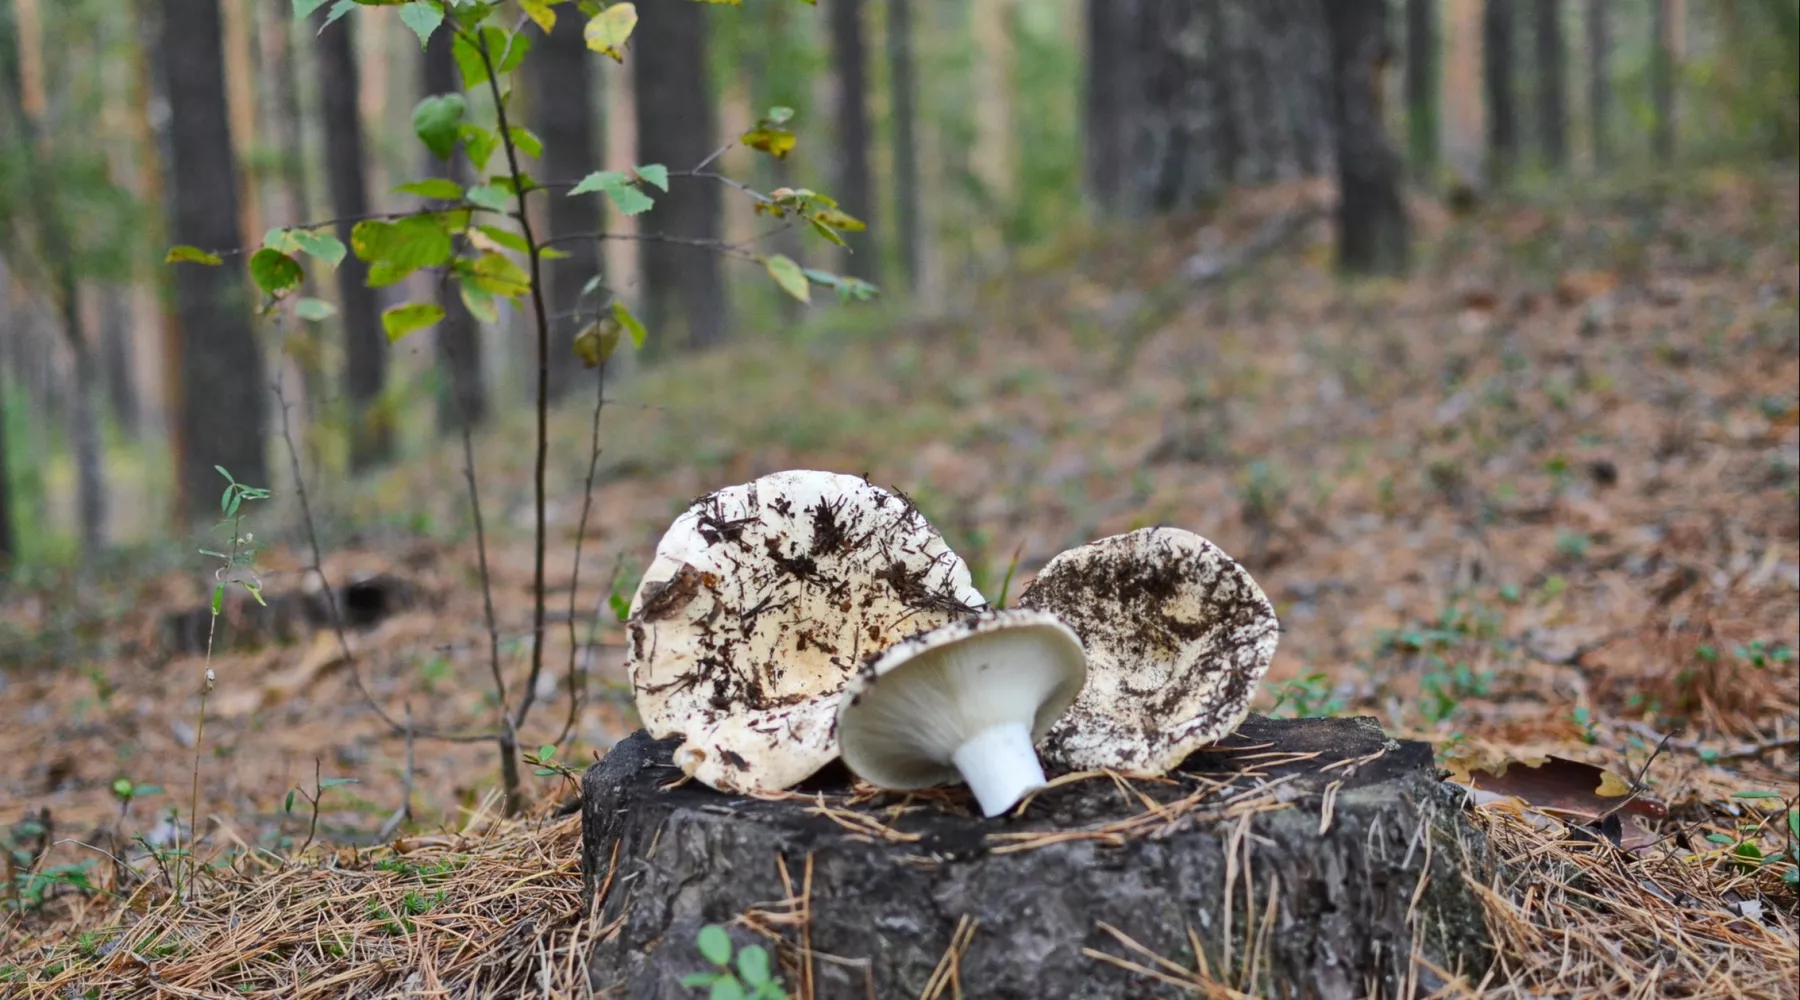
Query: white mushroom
(1177, 636)
(762, 600)
(970, 698)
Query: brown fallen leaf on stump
(1556, 785)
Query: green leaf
(595, 344)
(399, 321)
(275, 272)
(437, 121)
(480, 144)
(753, 965)
(631, 323)
(541, 13)
(653, 173)
(396, 249)
(314, 310)
(826, 231)
(714, 944)
(479, 302)
(325, 246)
(629, 199)
(599, 180)
(145, 791)
(122, 788)
(1757, 794)
(780, 115)
(468, 62)
(335, 782)
(423, 18)
(338, 10)
(496, 273)
(526, 141)
(281, 239)
(288, 806)
(505, 238)
(777, 142)
(788, 275)
(303, 9)
(701, 978)
(488, 196)
(607, 31)
(218, 598)
(727, 988)
(435, 188)
(546, 751)
(191, 255)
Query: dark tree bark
(1227, 139)
(1553, 83)
(1111, 105)
(1373, 236)
(365, 345)
(1599, 79)
(772, 67)
(1497, 76)
(684, 285)
(221, 398)
(1361, 871)
(116, 348)
(560, 78)
(8, 547)
(1422, 84)
(907, 220)
(1662, 77)
(462, 400)
(855, 184)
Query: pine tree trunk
(1599, 79)
(1663, 58)
(854, 186)
(1422, 83)
(365, 345)
(1552, 78)
(9, 551)
(119, 352)
(560, 78)
(1497, 75)
(684, 285)
(84, 423)
(1373, 234)
(1227, 136)
(462, 401)
(1111, 106)
(221, 397)
(905, 151)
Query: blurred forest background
(968, 133)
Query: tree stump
(1307, 858)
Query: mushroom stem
(1000, 766)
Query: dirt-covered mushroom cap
(969, 699)
(762, 600)
(1177, 636)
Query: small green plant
(1309, 697)
(1585, 720)
(1760, 654)
(753, 978)
(1446, 687)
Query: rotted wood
(286, 617)
(1303, 858)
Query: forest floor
(1540, 498)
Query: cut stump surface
(1307, 858)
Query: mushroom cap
(907, 711)
(762, 600)
(1177, 637)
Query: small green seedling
(753, 978)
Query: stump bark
(1305, 858)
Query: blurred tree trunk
(676, 127)
(9, 551)
(561, 89)
(240, 98)
(1228, 140)
(1599, 79)
(774, 69)
(1552, 78)
(365, 345)
(854, 185)
(305, 340)
(1663, 57)
(1112, 89)
(24, 90)
(463, 401)
(221, 396)
(1422, 84)
(117, 354)
(1497, 66)
(1372, 228)
(906, 221)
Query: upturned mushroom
(968, 699)
(762, 600)
(1177, 636)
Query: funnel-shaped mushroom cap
(969, 699)
(1177, 636)
(761, 601)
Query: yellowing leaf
(630, 322)
(539, 12)
(607, 32)
(789, 276)
(399, 321)
(596, 344)
(496, 273)
(777, 142)
(191, 255)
